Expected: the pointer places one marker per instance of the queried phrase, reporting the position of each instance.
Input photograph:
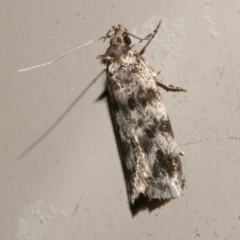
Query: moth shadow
(143, 203)
(59, 119)
(103, 95)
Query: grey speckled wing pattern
(142, 126)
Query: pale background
(70, 185)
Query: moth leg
(168, 86)
(150, 36)
(141, 41)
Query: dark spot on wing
(114, 105)
(165, 126)
(140, 122)
(131, 103)
(151, 130)
(141, 96)
(146, 144)
(165, 163)
(149, 133)
(152, 94)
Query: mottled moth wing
(142, 126)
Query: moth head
(120, 36)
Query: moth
(143, 130)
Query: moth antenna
(149, 37)
(142, 39)
(64, 55)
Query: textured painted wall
(68, 181)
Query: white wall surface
(69, 184)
